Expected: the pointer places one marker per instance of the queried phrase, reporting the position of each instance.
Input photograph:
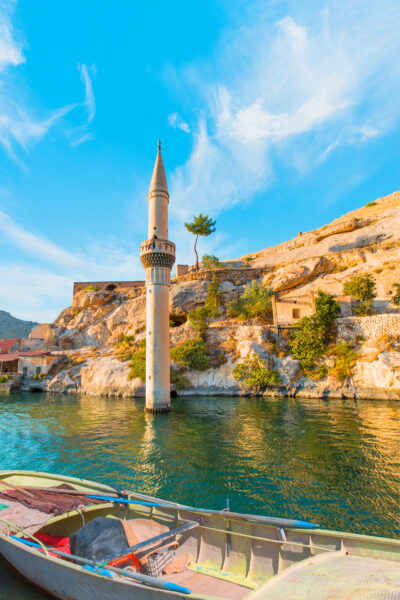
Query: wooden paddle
(15, 487)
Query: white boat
(234, 556)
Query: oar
(275, 521)
(153, 581)
(150, 542)
(12, 486)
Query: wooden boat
(235, 556)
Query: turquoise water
(334, 462)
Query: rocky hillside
(11, 327)
(367, 240)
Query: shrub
(363, 288)
(254, 303)
(210, 261)
(126, 339)
(91, 288)
(192, 355)
(370, 204)
(345, 358)
(178, 379)
(199, 317)
(138, 364)
(4, 378)
(253, 372)
(308, 343)
(326, 310)
(396, 294)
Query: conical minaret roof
(159, 180)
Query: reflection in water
(333, 462)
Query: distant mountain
(11, 327)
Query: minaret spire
(157, 254)
(159, 179)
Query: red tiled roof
(9, 356)
(5, 345)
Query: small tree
(326, 310)
(254, 303)
(396, 294)
(210, 261)
(202, 225)
(199, 317)
(363, 288)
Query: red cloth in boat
(55, 541)
(50, 503)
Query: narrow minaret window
(157, 254)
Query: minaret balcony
(157, 253)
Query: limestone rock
(299, 273)
(108, 376)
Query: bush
(254, 303)
(253, 372)
(192, 355)
(126, 339)
(4, 378)
(200, 317)
(138, 364)
(363, 288)
(178, 379)
(210, 261)
(308, 343)
(396, 294)
(345, 358)
(370, 204)
(91, 288)
(326, 310)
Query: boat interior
(223, 557)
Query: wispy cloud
(21, 125)
(42, 283)
(82, 133)
(177, 123)
(323, 76)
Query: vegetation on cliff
(314, 333)
(254, 372)
(255, 302)
(363, 288)
(200, 317)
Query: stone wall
(369, 327)
(105, 286)
(236, 276)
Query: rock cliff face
(366, 240)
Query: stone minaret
(157, 255)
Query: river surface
(334, 462)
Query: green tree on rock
(201, 225)
(363, 288)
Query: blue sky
(275, 117)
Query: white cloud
(89, 95)
(36, 245)
(20, 124)
(294, 89)
(38, 292)
(177, 123)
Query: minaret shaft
(157, 255)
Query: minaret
(157, 255)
